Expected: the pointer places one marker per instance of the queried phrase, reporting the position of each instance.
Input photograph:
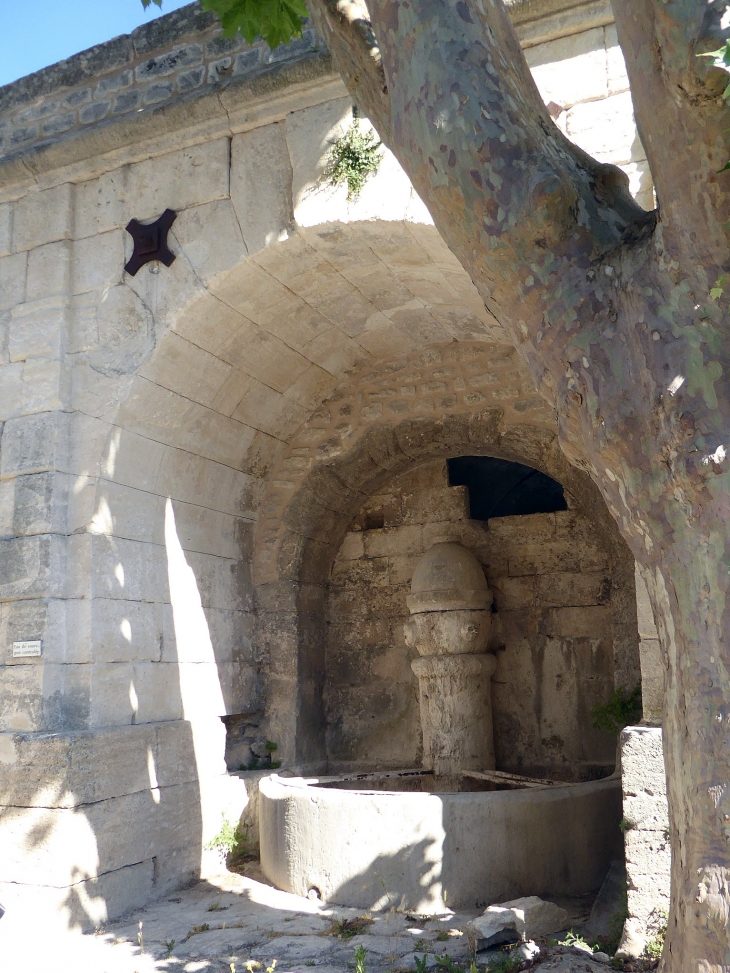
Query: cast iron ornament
(150, 242)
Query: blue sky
(35, 33)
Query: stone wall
(580, 72)
(646, 834)
(174, 58)
(556, 595)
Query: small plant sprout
(504, 963)
(575, 939)
(347, 928)
(169, 946)
(421, 963)
(655, 946)
(230, 840)
(353, 157)
(360, 959)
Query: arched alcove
(293, 563)
(552, 578)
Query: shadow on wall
(513, 848)
(389, 880)
(97, 822)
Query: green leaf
(146, 3)
(353, 158)
(721, 56)
(275, 21)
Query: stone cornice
(177, 80)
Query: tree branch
(347, 31)
(681, 117)
(527, 212)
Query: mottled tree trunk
(610, 309)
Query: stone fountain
(456, 834)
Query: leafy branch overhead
(275, 21)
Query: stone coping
(105, 58)
(176, 58)
(182, 57)
(261, 100)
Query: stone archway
(316, 490)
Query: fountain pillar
(450, 606)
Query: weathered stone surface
(633, 940)
(6, 216)
(265, 212)
(43, 217)
(648, 857)
(38, 329)
(309, 135)
(12, 280)
(526, 918)
(528, 951)
(526, 832)
(556, 65)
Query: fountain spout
(450, 606)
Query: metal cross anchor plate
(150, 242)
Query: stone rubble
(526, 918)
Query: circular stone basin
(435, 852)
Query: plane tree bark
(610, 308)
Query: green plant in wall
(655, 946)
(622, 709)
(354, 156)
(230, 840)
(271, 749)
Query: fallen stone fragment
(509, 922)
(602, 957)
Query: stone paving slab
(236, 924)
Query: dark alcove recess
(499, 488)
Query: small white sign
(22, 650)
